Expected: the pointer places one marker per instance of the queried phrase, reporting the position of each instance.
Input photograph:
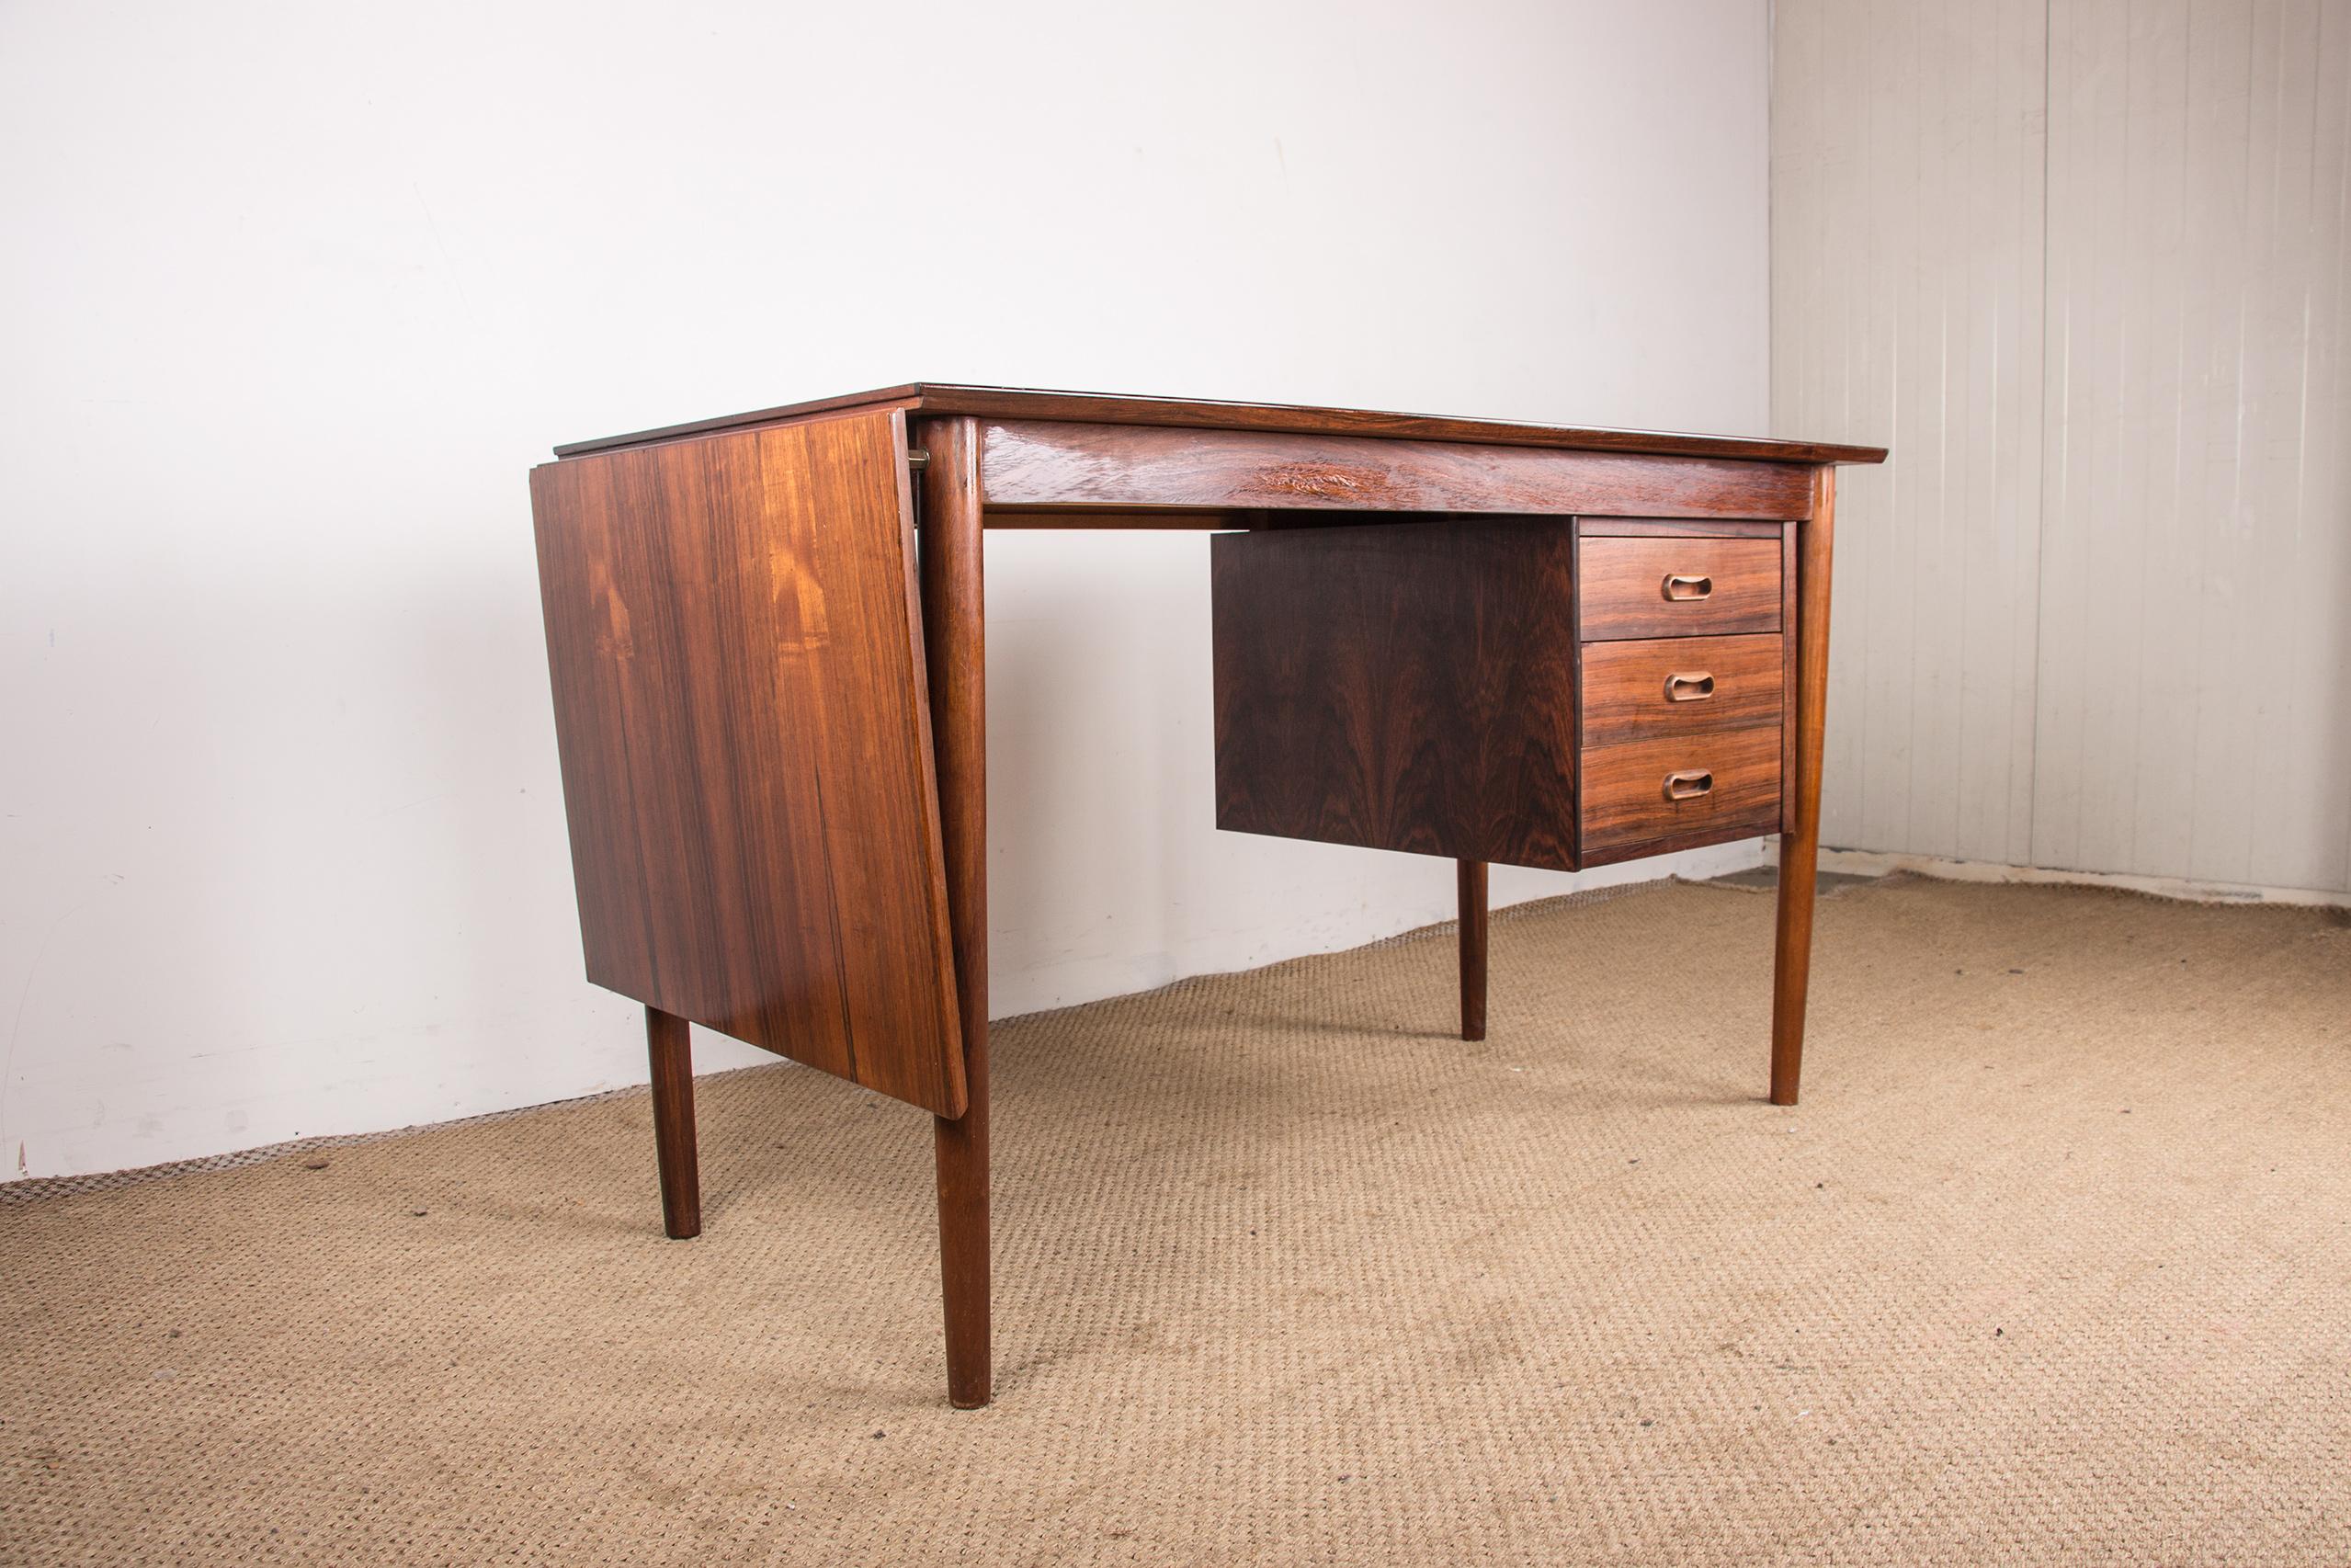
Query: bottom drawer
(1721, 784)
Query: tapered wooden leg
(669, 1042)
(1800, 847)
(955, 647)
(1472, 876)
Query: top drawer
(1676, 587)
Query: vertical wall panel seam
(2039, 497)
(2341, 393)
(2180, 394)
(2303, 630)
(2132, 351)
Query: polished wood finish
(733, 634)
(1731, 585)
(1469, 888)
(1191, 520)
(1680, 686)
(1204, 414)
(1725, 785)
(1700, 837)
(1399, 687)
(1527, 644)
(1115, 468)
(1677, 528)
(1225, 520)
(669, 1043)
(1790, 576)
(953, 601)
(1799, 847)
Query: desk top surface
(1097, 408)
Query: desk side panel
(744, 731)
(1404, 685)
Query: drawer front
(1676, 587)
(1680, 686)
(1718, 783)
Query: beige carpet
(2052, 1265)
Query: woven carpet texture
(2053, 1265)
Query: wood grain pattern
(1115, 467)
(1469, 890)
(1789, 575)
(1799, 848)
(1680, 686)
(1098, 408)
(1622, 583)
(954, 603)
(1676, 527)
(775, 757)
(669, 1047)
(742, 724)
(1624, 788)
(1700, 838)
(1161, 519)
(1400, 687)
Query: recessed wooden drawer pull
(1689, 786)
(1629, 589)
(1688, 687)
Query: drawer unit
(1678, 587)
(1472, 688)
(1724, 784)
(1400, 685)
(1680, 686)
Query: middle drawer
(1680, 686)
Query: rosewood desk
(1521, 643)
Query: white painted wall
(293, 295)
(2084, 264)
